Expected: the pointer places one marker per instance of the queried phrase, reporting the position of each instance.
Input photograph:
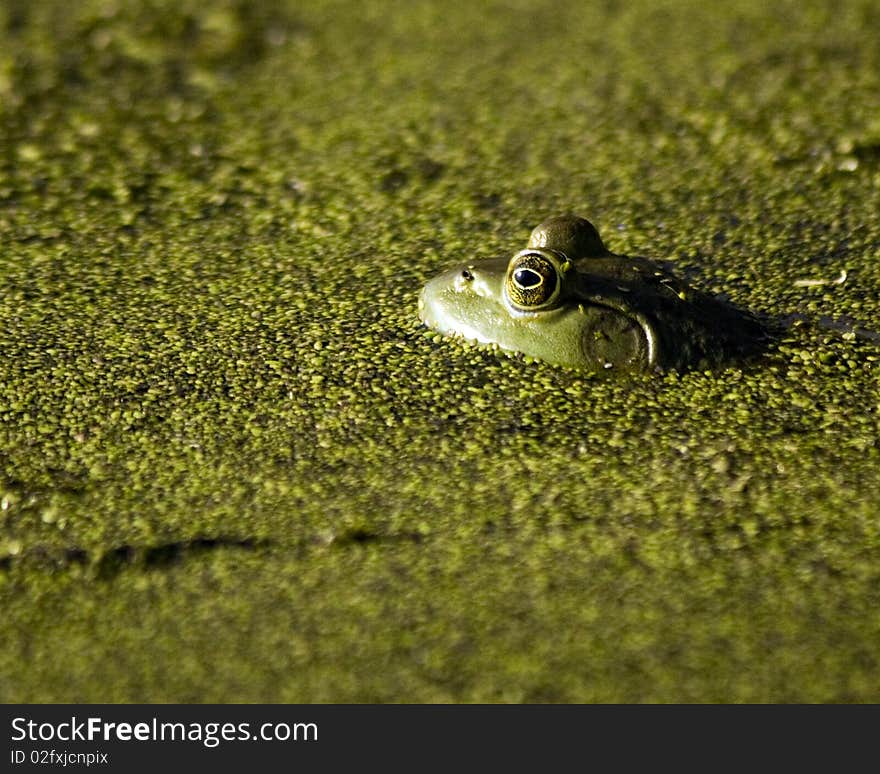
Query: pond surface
(236, 467)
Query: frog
(570, 301)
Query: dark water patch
(112, 562)
(362, 536)
(867, 153)
(168, 554)
(106, 565)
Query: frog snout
(430, 299)
(445, 300)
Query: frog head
(567, 299)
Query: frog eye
(532, 280)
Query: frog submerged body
(568, 300)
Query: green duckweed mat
(235, 468)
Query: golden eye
(532, 280)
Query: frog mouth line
(432, 322)
(605, 302)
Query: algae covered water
(236, 467)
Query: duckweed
(233, 465)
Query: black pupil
(526, 278)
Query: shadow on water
(106, 565)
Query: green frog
(568, 300)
